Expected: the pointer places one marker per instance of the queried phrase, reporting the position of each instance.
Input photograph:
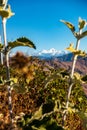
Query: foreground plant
(5, 13)
(78, 35)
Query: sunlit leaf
(71, 48)
(27, 80)
(69, 25)
(38, 113)
(77, 76)
(6, 13)
(80, 99)
(41, 128)
(82, 23)
(80, 53)
(21, 42)
(83, 34)
(70, 110)
(75, 52)
(14, 80)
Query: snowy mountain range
(50, 53)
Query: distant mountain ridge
(63, 59)
(58, 60)
(44, 54)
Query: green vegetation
(40, 97)
(6, 13)
(78, 35)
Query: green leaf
(80, 53)
(38, 113)
(71, 48)
(69, 25)
(6, 13)
(21, 42)
(75, 52)
(41, 128)
(1, 46)
(19, 88)
(71, 110)
(83, 34)
(82, 23)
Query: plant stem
(75, 59)
(1, 55)
(1, 58)
(5, 4)
(71, 76)
(7, 71)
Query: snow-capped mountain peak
(50, 53)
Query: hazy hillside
(65, 61)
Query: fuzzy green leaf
(82, 23)
(75, 52)
(21, 42)
(71, 48)
(69, 25)
(83, 34)
(6, 13)
(38, 113)
(80, 53)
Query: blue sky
(39, 20)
